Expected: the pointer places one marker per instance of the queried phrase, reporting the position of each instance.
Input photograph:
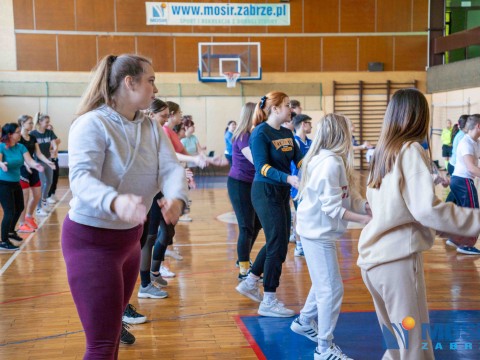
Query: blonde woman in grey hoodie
(118, 159)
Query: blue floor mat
(359, 336)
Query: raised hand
(129, 208)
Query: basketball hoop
(231, 78)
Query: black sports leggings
(11, 199)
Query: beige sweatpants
(398, 291)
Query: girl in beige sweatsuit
(405, 215)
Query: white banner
(217, 14)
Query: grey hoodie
(110, 155)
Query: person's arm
(259, 146)
(358, 218)
(173, 181)
(247, 153)
(199, 160)
(3, 165)
(472, 164)
(32, 163)
(42, 157)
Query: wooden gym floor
(200, 318)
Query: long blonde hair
(108, 75)
(245, 122)
(38, 118)
(333, 134)
(406, 121)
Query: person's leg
(7, 201)
(46, 177)
(102, 267)
(321, 257)
(398, 291)
(56, 174)
(26, 198)
(18, 206)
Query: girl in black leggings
(12, 156)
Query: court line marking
(30, 237)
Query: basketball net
(231, 78)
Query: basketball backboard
(218, 58)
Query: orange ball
(408, 323)
(164, 5)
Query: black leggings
(56, 173)
(11, 199)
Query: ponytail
(265, 105)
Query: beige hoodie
(406, 213)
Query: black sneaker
(8, 246)
(126, 338)
(132, 317)
(14, 236)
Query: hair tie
(262, 102)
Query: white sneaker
(165, 272)
(51, 201)
(275, 309)
(252, 293)
(41, 212)
(299, 252)
(310, 331)
(173, 254)
(333, 352)
(450, 243)
(292, 238)
(185, 218)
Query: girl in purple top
(239, 186)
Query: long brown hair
(406, 121)
(263, 108)
(245, 122)
(108, 75)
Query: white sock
(303, 319)
(269, 297)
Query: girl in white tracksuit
(327, 203)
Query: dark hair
(294, 103)
(178, 127)
(455, 130)
(173, 108)
(229, 123)
(298, 119)
(8, 129)
(187, 121)
(462, 121)
(157, 105)
(22, 119)
(107, 77)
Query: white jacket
(326, 197)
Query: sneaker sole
(176, 257)
(461, 251)
(150, 296)
(134, 321)
(272, 314)
(248, 295)
(3, 249)
(295, 328)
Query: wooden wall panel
(339, 54)
(376, 49)
(304, 53)
(159, 49)
(94, 15)
(23, 14)
(131, 16)
(186, 53)
(76, 53)
(116, 45)
(321, 16)
(394, 15)
(36, 52)
(410, 53)
(273, 54)
(357, 16)
(296, 19)
(420, 15)
(55, 14)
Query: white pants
(398, 291)
(325, 296)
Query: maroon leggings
(102, 268)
